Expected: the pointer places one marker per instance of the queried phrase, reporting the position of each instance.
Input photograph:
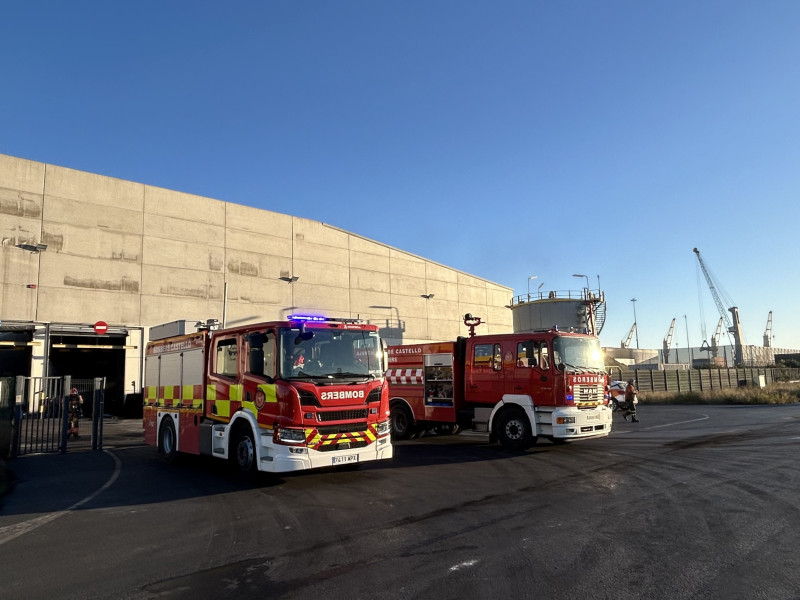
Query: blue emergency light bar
(318, 319)
(307, 318)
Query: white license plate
(349, 458)
(592, 417)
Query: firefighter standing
(75, 409)
(630, 401)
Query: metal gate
(50, 415)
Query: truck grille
(589, 393)
(342, 415)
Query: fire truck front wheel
(167, 445)
(513, 430)
(243, 450)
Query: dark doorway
(15, 360)
(15, 353)
(88, 363)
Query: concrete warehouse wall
(132, 255)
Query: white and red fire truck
(279, 396)
(517, 386)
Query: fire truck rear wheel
(513, 430)
(243, 451)
(167, 441)
(402, 422)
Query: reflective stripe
(223, 408)
(270, 392)
(235, 393)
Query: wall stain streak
(126, 285)
(243, 268)
(53, 241)
(125, 256)
(203, 292)
(20, 207)
(214, 263)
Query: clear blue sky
(505, 138)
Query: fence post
(98, 408)
(19, 386)
(65, 391)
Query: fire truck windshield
(330, 353)
(578, 353)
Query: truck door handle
(517, 388)
(544, 377)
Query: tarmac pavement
(47, 483)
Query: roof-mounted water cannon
(210, 325)
(472, 323)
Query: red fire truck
(517, 386)
(279, 396)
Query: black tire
(167, 440)
(402, 422)
(513, 430)
(243, 451)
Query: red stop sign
(100, 327)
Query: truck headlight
(564, 420)
(291, 436)
(383, 427)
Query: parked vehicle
(517, 386)
(616, 390)
(279, 396)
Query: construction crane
(714, 340)
(732, 323)
(668, 342)
(768, 332)
(627, 341)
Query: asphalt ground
(30, 481)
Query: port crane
(667, 343)
(627, 341)
(714, 340)
(768, 332)
(732, 323)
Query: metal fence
(46, 415)
(700, 380)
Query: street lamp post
(529, 285)
(635, 323)
(688, 347)
(587, 281)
